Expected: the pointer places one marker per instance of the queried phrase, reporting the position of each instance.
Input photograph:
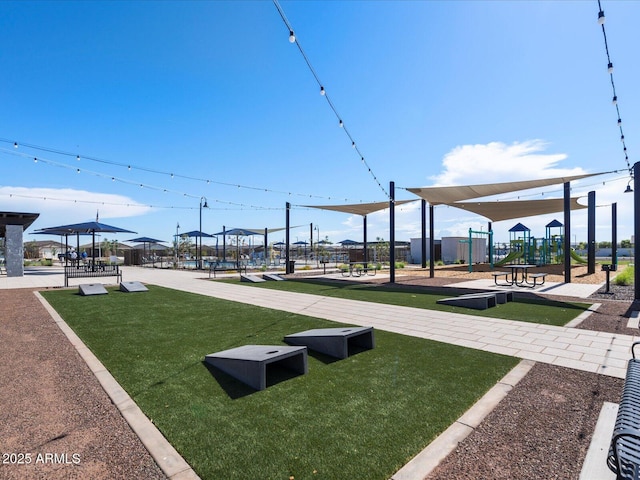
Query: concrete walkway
(596, 352)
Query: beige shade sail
(359, 208)
(508, 210)
(448, 195)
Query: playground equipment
(523, 248)
(470, 243)
(537, 251)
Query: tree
(604, 245)
(625, 244)
(31, 250)
(381, 250)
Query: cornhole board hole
(272, 276)
(130, 287)
(87, 289)
(334, 342)
(251, 278)
(251, 363)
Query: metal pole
(567, 232)
(366, 256)
(266, 247)
(286, 255)
(392, 233)
(432, 243)
(423, 210)
(614, 235)
(591, 233)
(636, 229)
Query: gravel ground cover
(56, 421)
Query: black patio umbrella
(144, 241)
(86, 228)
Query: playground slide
(578, 258)
(509, 258)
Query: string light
(160, 172)
(101, 202)
(144, 185)
(614, 101)
(323, 92)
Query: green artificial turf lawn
(547, 312)
(362, 417)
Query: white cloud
(498, 162)
(66, 205)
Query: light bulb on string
(15, 144)
(35, 160)
(619, 122)
(341, 124)
(78, 157)
(610, 67)
(322, 92)
(601, 17)
(292, 37)
(614, 100)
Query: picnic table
(519, 275)
(357, 269)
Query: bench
(535, 277)
(214, 269)
(624, 452)
(502, 274)
(89, 271)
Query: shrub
(400, 264)
(625, 277)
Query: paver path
(597, 352)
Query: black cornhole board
(334, 342)
(249, 363)
(130, 287)
(87, 289)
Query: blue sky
(432, 92)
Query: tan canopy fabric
(359, 208)
(448, 195)
(497, 211)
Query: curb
(167, 458)
(428, 459)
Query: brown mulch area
(541, 430)
(54, 414)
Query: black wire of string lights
(113, 178)
(614, 100)
(131, 166)
(294, 39)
